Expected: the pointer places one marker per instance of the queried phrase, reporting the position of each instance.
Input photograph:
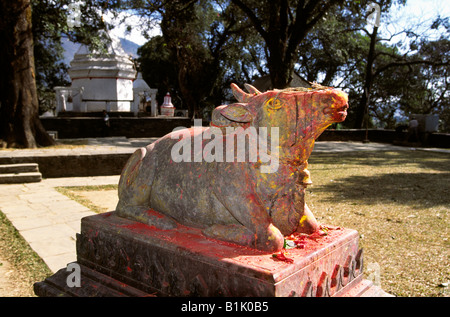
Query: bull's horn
(252, 89)
(239, 94)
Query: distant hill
(129, 47)
(71, 48)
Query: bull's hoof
(270, 239)
(307, 225)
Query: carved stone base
(120, 257)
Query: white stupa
(106, 78)
(101, 81)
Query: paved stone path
(49, 221)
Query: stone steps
(19, 173)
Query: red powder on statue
(151, 212)
(281, 256)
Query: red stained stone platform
(121, 257)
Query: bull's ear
(239, 94)
(218, 120)
(237, 112)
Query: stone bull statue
(235, 200)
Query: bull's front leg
(254, 228)
(307, 222)
(290, 213)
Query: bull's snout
(338, 112)
(343, 108)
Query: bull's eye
(274, 104)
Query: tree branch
(323, 10)
(407, 63)
(301, 25)
(255, 21)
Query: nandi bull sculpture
(235, 201)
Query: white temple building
(104, 81)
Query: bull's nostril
(343, 108)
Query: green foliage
(48, 51)
(50, 26)
(199, 54)
(157, 67)
(333, 48)
(403, 80)
(207, 44)
(429, 83)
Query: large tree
(19, 117)
(19, 106)
(383, 60)
(284, 24)
(203, 48)
(51, 71)
(327, 54)
(428, 83)
(384, 77)
(331, 44)
(197, 67)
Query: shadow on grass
(413, 178)
(425, 160)
(414, 189)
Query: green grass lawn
(399, 202)
(28, 267)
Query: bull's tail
(131, 170)
(136, 180)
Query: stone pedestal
(120, 257)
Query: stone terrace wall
(143, 127)
(130, 127)
(441, 140)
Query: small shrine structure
(141, 94)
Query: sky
(424, 9)
(416, 15)
(136, 30)
(416, 12)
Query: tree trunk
(19, 108)
(362, 112)
(186, 91)
(281, 71)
